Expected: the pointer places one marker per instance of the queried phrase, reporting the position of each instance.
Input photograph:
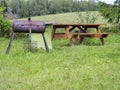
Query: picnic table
(80, 34)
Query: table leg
(98, 29)
(69, 36)
(53, 33)
(67, 32)
(81, 39)
(78, 38)
(102, 41)
(71, 42)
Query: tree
(111, 12)
(39, 7)
(1, 10)
(117, 3)
(5, 26)
(89, 17)
(3, 7)
(18, 7)
(25, 8)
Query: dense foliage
(111, 12)
(5, 26)
(25, 8)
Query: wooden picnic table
(81, 34)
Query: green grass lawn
(68, 17)
(87, 66)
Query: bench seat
(59, 36)
(90, 35)
(80, 36)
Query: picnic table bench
(80, 34)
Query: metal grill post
(46, 46)
(10, 43)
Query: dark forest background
(25, 8)
(13, 9)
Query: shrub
(105, 29)
(5, 27)
(113, 28)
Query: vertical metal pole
(8, 49)
(30, 31)
(30, 34)
(46, 46)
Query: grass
(87, 66)
(81, 67)
(68, 17)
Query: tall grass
(81, 67)
(69, 17)
(87, 66)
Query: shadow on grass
(65, 43)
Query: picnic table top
(78, 24)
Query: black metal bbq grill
(28, 26)
(22, 26)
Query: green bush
(5, 27)
(105, 29)
(113, 28)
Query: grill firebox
(22, 26)
(27, 26)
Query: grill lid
(23, 26)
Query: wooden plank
(90, 35)
(78, 24)
(59, 36)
